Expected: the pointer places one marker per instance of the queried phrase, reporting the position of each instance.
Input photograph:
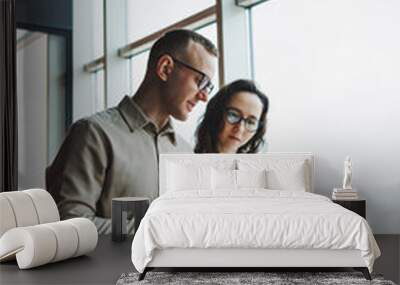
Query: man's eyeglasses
(204, 83)
(234, 117)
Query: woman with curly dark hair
(234, 121)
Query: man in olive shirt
(114, 153)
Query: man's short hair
(175, 42)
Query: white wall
(332, 72)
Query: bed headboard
(231, 160)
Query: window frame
(233, 29)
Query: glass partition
(42, 104)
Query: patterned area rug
(270, 278)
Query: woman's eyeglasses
(234, 117)
(204, 83)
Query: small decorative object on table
(346, 196)
(120, 208)
(348, 171)
(346, 192)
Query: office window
(98, 51)
(98, 83)
(314, 58)
(98, 28)
(89, 51)
(159, 14)
(331, 70)
(137, 69)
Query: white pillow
(228, 179)
(181, 177)
(251, 178)
(282, 174)
(223, 179)
(289, 179)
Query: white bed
(219, 211)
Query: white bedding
(251, 218)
